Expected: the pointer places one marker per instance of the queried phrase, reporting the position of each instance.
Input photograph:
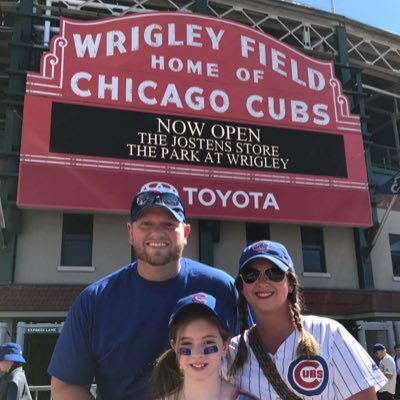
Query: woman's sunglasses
(273, 274)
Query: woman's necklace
(219, 391)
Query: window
(256, 231)
(313, 249)
(395, 252)
(77, 240)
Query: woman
(190, 369)
(287, 355)
(13, 384)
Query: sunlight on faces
(157, 237)
(202, 339)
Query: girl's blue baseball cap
(11, 352)
(269, 250)
(204, 300)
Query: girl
(287, 355)
(190, 369)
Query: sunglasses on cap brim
(146, 198)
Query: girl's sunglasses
(273, 274)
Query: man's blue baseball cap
(11, 352)
(196, 300)
(377, 347)
(272, 251)
(158, 195)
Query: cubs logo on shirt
(308, 376)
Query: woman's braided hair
(307, 345)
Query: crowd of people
(169, 328)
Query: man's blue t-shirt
(118, 326)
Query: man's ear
(129, 226)
(187, 230)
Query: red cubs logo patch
(200, 298)
(260, 246)
(308, 376)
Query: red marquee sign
(244, 126)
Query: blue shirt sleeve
(73, 360)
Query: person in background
(191, 368)
(13, 384)
(287, 355)
(118, 326)
(397, 361)
(388, 367)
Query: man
(397, 361)
(388, 367)
(118, 326)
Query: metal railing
(35, 390)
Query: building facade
(345, 240)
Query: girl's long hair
(167, 378)
(307, 346)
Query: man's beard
(158, 258)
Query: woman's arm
(367, 394)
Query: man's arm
(367, 394)
(61, 390)
(388, 367)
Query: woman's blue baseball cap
(11, 352)
(269, 250)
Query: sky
(384, 14)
